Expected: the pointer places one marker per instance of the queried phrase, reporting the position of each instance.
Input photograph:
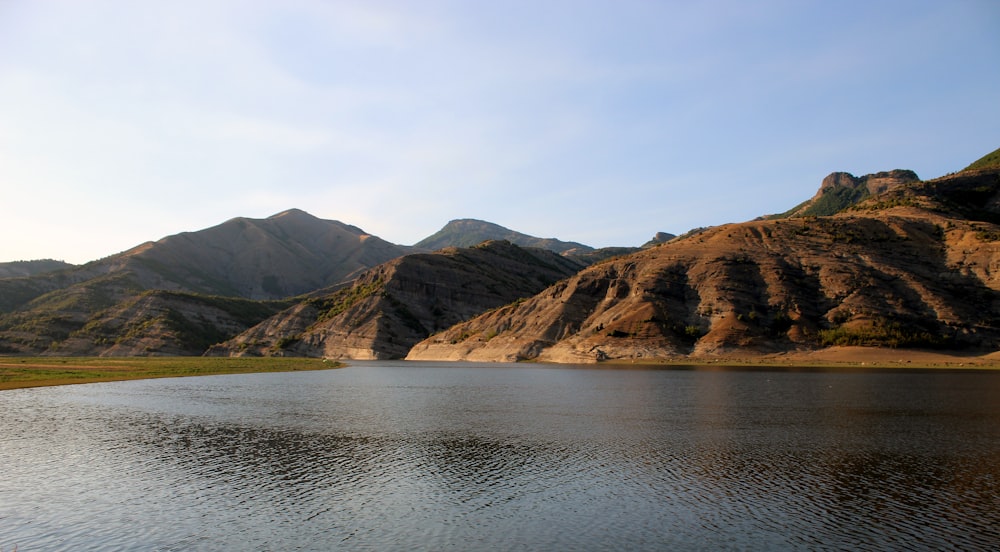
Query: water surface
(397, 456)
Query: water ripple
(388, 459)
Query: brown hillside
(393, 306)
(914, 267)
(290, 253)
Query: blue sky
(597, 122)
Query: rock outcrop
(658, 238)
(841, 190)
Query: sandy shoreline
(843, 357)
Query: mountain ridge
(879, 260)
(911, 267)
(470, 232)
(288, 254)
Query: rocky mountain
(841, 190)
(469, 232)
(658, 238)
(882, 260)
(288, 254)
(393, 306)
(913, 265)
(21, 269)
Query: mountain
(469, 232)
(20, 269)
(658, 238)
(841, 190)
(879, 260)
(912, 266)
(393, 306)
(288, 254)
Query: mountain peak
(291, 213)
(470, 232)
(874, 184)
(840, 190)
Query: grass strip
(18, 372)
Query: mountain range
(882, 260)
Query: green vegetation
(882, 333)
(989, 161)
(286, 342)
(184, 319)
(16, 372)
(344, 299)
(199, 333)
(888, 203)
(831, 202)
(835, 201)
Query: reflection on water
(396, 456)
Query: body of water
(439, 456)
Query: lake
(455, 456)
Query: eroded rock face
(874, 183)
(395, 305)
(905, 272)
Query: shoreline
(834, 358)
(25, 372)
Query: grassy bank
(16, 372)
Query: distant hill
(469, 232)
(391, 307)
(20, 269)
(910, 267)
(288, 254)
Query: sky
(601, 122)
